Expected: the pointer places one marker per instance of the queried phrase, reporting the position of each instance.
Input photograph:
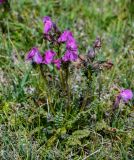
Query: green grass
(29, 128)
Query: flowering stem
(61, 71)
(61, 79)
(46, 86)
(68, 88)
(100, 85)
(42, 73)
(84, 102)
(88, 92)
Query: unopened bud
(91, 53)
(97, 43)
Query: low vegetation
(66, 80)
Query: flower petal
(49, 55)
(34, 55)
(48, 24)
(57, 62)
(70, 56)
(71, 43)
(126, 95)
(64, 36)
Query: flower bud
(91, 53)
(97, 43)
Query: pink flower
(126, 95)
(49, 55)
(70, 56)
(57, 62)
(71, 53)
(34, 55)
(71, 43)
(64, 36)
(48, 24)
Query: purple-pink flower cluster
(50, 56)
(35, 56)
(71, 53)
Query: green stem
(88, 91)
(68, 88)
(62, 79)
(42, 73)
(48, 93)
(84, 102)
(100, 85)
